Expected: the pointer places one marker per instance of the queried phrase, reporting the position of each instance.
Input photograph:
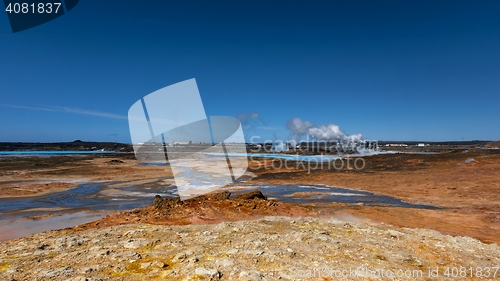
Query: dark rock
(219, 195)
(251, 195)
(215, 196)
(158, 202)
(167, 203)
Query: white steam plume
(251, 120)
(331, 132)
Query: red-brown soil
(468, 193)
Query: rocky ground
(270, 248)
(149, 244)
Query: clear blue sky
(391, 70)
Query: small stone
(86, 269)
(225, 262)
(213, 274)
(180, 257)
(252, 275)
(159, 264)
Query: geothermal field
(249, 140)
(401, 211)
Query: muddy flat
(466, 194)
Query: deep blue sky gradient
(392, 70)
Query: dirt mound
(209, 208)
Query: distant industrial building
(397, 144)
(181, 142)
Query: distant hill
(493, 144)
(77, 145)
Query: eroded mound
(209, 208)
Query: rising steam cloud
(331, 132)
(251, 120)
